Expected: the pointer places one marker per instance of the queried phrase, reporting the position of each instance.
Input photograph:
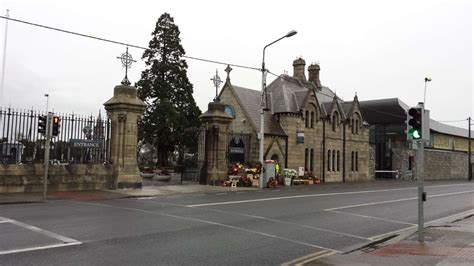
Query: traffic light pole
(469, 151)
(49, 127)
(420, 177)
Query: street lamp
(424, 95)
(263, 103)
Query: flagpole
(4, 56)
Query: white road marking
(265, 218)
(210, 222)
(457, 215)
(397, 200)
(39, 248)
(312, 195)
(66, 241)
(43, 232)
(371, 217)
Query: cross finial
(127, 61)
(228, 69)
(217, 82)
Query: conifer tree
(165, 88)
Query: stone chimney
(298, 69)
(313, 74)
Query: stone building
(446, 155)
(305, 125)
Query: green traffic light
(415, 134)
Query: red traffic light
(56, 119)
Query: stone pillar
(216, 122)
(123, 110)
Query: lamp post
(263, 104)
(424, 95)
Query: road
(234, 228)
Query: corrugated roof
(450, 130)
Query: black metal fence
(81, 139)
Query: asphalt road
(241, 228)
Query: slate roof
(286, 95)
(250, 100)
(393, 111)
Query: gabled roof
(250, 101)
(289, 95)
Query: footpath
(446, 243)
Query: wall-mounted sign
(299, 137)
(236, 150)
(85, 143)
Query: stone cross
(217, 82)
(127, 61)
(228, 69)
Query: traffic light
(42, 121)
(56, 125)
(415, 123)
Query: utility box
(269, 171)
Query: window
(357, 161)
(352, 126)
(306, 118)
(338, 158)
(352, 161)
(329, 160)
(357, 126)
(311, 160)
(312, 119)
(306, 159)
(334, 123)
(334, 160)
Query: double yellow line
(310, 257)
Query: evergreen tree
(165, 88)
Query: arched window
(352, 161)
(312, 119)
(334, 122)
(352, 126)
(338, 159)
(306, 118)
(306, 159)
(329, 160)
(357, 161)
(311, 160)
(357, 126)
(334, 160)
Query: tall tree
(165, 88)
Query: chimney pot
(298, 69)
(313, 74)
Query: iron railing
(20, 141)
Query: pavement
(150, 189)
(445, 243)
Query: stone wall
(29, 177)
(438, 164)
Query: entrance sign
(85, 143)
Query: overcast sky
(379, 49)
